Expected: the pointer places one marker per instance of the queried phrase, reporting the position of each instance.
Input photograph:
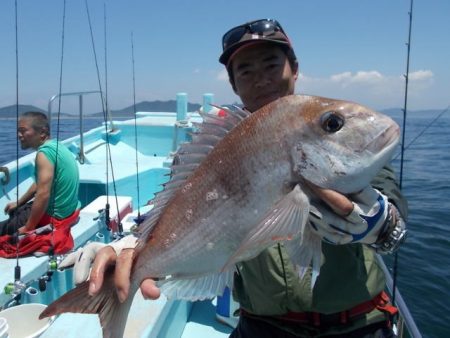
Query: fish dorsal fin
(284, 222)
(188, 157)
(193, 289)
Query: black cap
(248, 37)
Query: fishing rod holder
(43, 280)
(103, 217)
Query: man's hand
(119, 253)
(124, 261)
(81, 261)
(10, 207)
(358, 218)
(22, 230)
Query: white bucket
(23, 321)
(3, 328)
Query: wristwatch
(394, 235)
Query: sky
(348, 49)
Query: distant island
(11, 111)
(128, 112)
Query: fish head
(343, 145)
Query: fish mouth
(386, 138)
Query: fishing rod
(107, 206)
(139, 220)
(58, 119)
(18, 285)
(408, 44)
(17, 271)
(108, 148)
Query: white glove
(84, 256)
(363, 225)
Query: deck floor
(202, 322)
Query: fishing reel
(14, 289)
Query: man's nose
(261, 80)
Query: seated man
(55, 191)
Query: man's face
(262, 74)
(28, 136)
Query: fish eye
(331, 122)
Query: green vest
(268, 285)
(64, 193)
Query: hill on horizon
(11, 111)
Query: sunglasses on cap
(263, 27)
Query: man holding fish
(280, 296)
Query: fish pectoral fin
(305, 253)
(197, 288)
(284, 222)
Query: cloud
(421, 75)
(370, 87)
(361, 77)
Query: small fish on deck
(238, 189)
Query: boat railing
(81, 155)
(405, 317)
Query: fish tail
(112, 313)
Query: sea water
(424, 260)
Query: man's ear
(234, 87)
(296, 70)
(231, 78)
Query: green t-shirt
(64, 194)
